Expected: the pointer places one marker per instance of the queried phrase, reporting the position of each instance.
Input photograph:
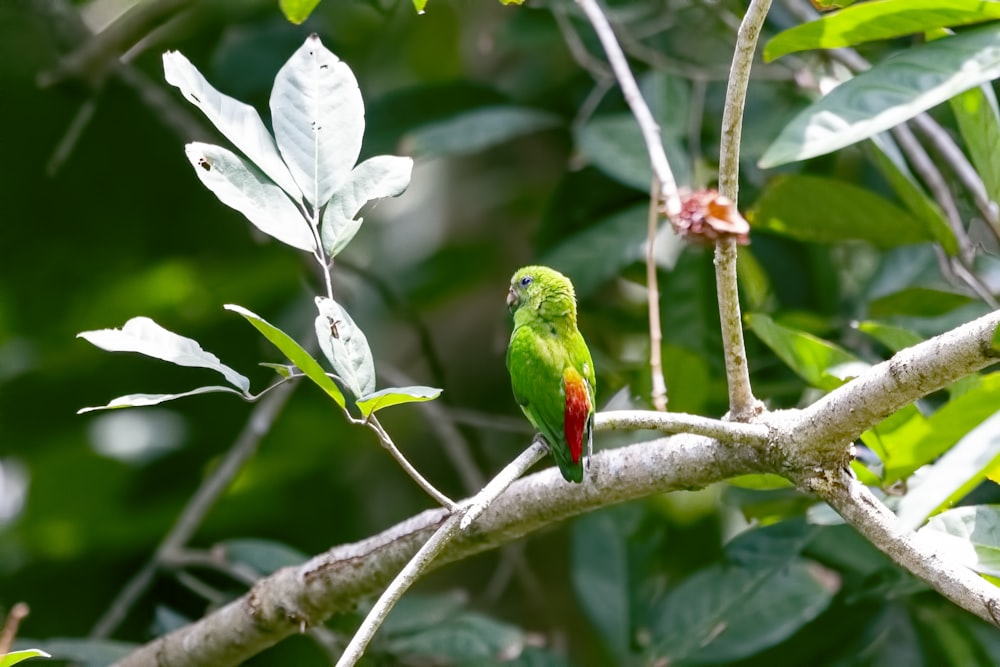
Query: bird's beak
(511, 297)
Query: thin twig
(659, 383)
(414, 474)
(434, 546)
(643, 116)
(9, 632)
(742, 404)
(257, 426)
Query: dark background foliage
(121, 228)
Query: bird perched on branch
(551, 370)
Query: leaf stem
(383, 436)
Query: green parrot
(550, 367)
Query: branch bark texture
(799, 444)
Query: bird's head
(541, 291)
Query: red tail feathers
(576, 413)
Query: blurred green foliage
(122, 229)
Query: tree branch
(861, 509)
(794, 443)
(742, 404)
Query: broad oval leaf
(614, 144)
(293, 351)
(319, 119)
(345, 346)
(467, 638)
(263, 556)
(871, 21)
(385, 398)
(375, 178)
(237, 121)
(476, 130)
(893, 91)
(241, 186)
(824, 210)
(970, 535)
(145, 400)
(954, 475)
(15, 657)
(143, 335)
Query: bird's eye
(525, 281)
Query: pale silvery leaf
(143, 400)
(237, 121)
(240, 185)
(319, 119)
(345, 345)
(375, 178)
(143, 335)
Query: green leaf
(893, 337)
(414, 613)
(15, 657)
(143, 335)
(88, 652)
(145, 400)
(319, 120)
(979, 122)
(918, 302)
(954, 475)
(263, 556)
(386, 398)
(345, 346)
(919, 440)
(297, 11)
(467, 638)
(375, 178)
(614, 144)
(237, 121)
(894, 168)
(600, 252)
(969, 535)
(870, 21)
(241, 186)
(476, 130)
(893, 91)
(600, 574)
(724, 613)
(824, 210)
(293, 351)
(820, 363)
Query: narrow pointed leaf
(143, 335)
(820, 363)
(825, 210)
(144, 400)
(237, 121)
(870, 21)
(319, 119)
(893, 337)
(241, 186)
(293, 351)
(345, 346)
(297, 11)
(893, 91)
(954, 475)
(15, 657)
(979, 122)
(375, 178)
(890, 161)
(385, 398)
